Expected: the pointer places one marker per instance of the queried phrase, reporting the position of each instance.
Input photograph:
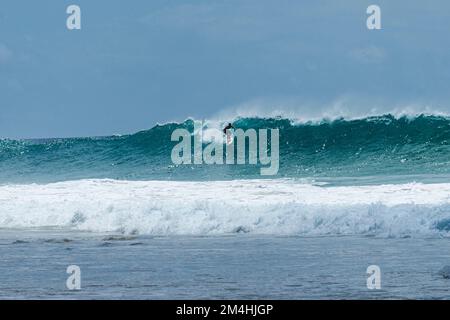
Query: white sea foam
(347, 106)
(220, 207)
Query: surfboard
(229, 138)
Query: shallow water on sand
(240, 266)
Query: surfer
(228, 127)
(228, 133)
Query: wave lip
(278, 207)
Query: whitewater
(383, 176)
(273, 207)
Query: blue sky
(140, 62)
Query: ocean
(349, 193)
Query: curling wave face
(380, 146)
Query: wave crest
(381, 145)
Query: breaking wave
(374, 146)
(279, 207)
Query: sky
(137, 63)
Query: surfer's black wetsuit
(229, 126)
